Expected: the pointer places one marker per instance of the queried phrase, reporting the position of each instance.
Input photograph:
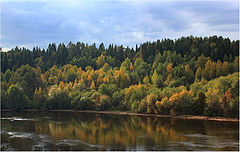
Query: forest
(185, 76)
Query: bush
(223, 96)
(176, 83)
(163, 106)
(105, 102)
(142, 107)
(39, 99)
(199, 104)
(108, 89)
(213, 100)
(234, 108)
(118, 97)
(137, 94)
(16, 98)
(58, 99)
(151, 99)
(181, 102)
(168, 92)
(81, 101)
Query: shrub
(151, 99)
(181, 102)
(16, 98)
(82, 102)
(142, 107)
(199, 104)
(108, 89)
(163, 106)
(105, 102)
(213, 107)
(118, 97)
(58, 99)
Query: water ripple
(17, 119)
(198, 136)
(72, 142)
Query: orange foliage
(92, 85)
(170, 68)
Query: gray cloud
(37, 23)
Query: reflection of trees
(122, 130)
(110, 130)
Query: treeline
(191, 75)
(80, 54)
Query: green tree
(108, 89)
(146, 80)
(141, 68)
(58, 99)
(28, 78)
(7, 75)
(218, 68)
(151, 99)
(100, 61)
(39, 99)
(198, 74)
(156, 79)
(118, 98)
(199, 104)
(16, 98)
(126, 65)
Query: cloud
(37, 23)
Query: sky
(29, 23)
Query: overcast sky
(31, 23)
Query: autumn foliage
(157, 77)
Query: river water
(88, 131)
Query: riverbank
(144, 114)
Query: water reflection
(85, 131)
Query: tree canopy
(189, 75)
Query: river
(89, 131)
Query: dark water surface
(87, 131)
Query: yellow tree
(92, 85)
(79, 73)
(89, 78)
(151, 99)
(54, 70)
(155, 64)
(212, 72)
(225, 68)
(169, 68)
(146, 80)
(106, 67)
(122, 78)
(61, 85)
(75, 83)
(100, 79)
(51, 80)
(156, 79)
(131, 67)
(101, 61)
(198, 74)
(218, 68)
(169, 79)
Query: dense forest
(189, 75)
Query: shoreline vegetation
(222, 119)
(195, 76)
